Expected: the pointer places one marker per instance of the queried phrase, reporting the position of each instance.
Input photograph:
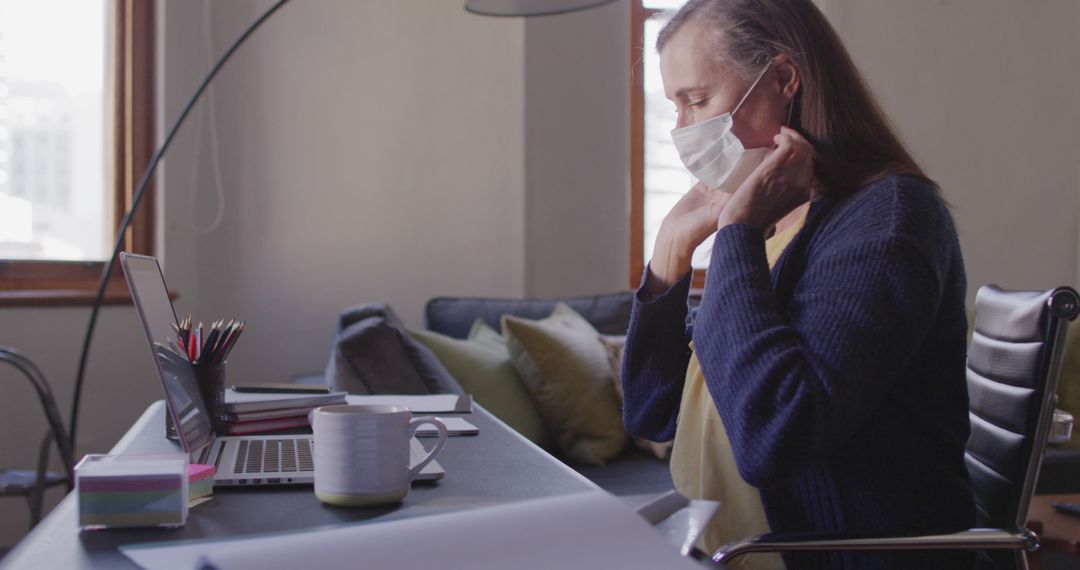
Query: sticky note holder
(132, 491)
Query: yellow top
(702, 462)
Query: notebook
(246, 402)
(246, 460)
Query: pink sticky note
(197, 472)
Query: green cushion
(565, 369)
(484, 335)
(1069, 382)
(484, 370)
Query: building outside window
(76, 134)
(666, 180)
(658, 178)
(53, 201)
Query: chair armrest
(972, 539)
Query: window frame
(130, 90)
(639, 14)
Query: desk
(1059, 534)
(496, 466)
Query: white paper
(430, 404)
(586, 530)
(181, 555)
(454, 426)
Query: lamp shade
(529, 7)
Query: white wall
(985, 93)
(426, 156)
(577, 152)
(369, 152)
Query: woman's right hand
(685, 227)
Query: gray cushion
(454, 316)
(372, 354)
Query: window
(75, 133)
(658, 178)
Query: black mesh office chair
(24, 482)
(1012, 374)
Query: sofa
(634, 471)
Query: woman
(819, 386)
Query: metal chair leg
(37, 497)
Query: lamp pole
(144, 182)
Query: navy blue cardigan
(839, 376)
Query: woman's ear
(787, 76)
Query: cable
(137, 199)
(215, 161)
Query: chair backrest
(48, 405)
(1012, 373)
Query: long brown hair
(854, 142)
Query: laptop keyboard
(274, 456)
(294, 456)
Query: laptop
(239, 460)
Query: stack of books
(260, 412)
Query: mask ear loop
(761, 75)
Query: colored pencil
(207, 345)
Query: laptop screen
(152, 302)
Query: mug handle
(414, 470)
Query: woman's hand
(781, 183)
(685, 227)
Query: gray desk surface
(496, 466)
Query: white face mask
(713, 154)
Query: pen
(239, 329)
(207, 345)
(191, 349)
(223, 338)
(230, 334)
(1071, 509)
(211, 341)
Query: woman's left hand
(781, 183)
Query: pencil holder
(211, 381)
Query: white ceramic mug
(362, 453)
